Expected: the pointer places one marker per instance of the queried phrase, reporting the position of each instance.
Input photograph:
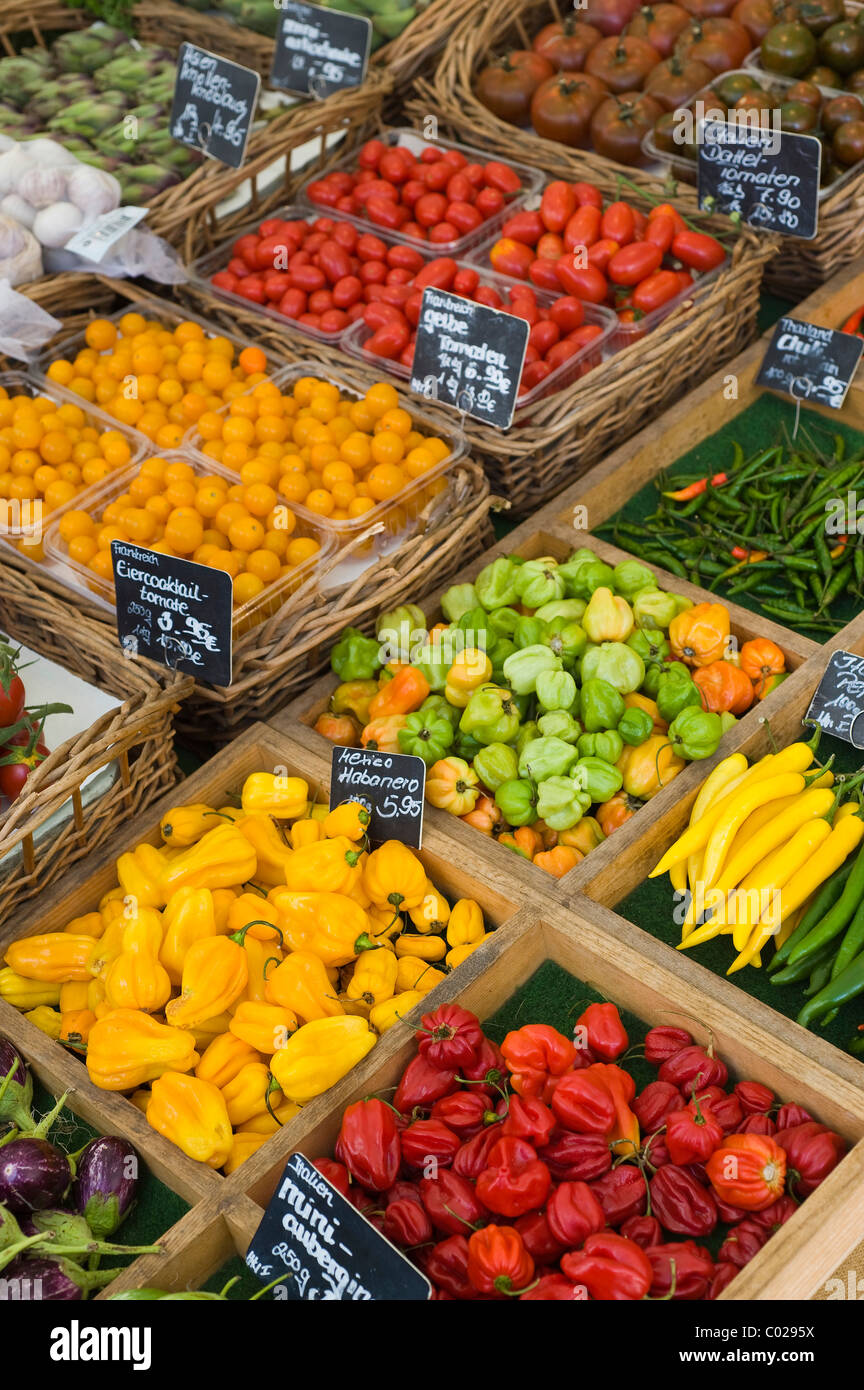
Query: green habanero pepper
(634, 727)
(496, 764)
(630, 576)
(426, 737)
(495, 585)
(653, 671)
(356, 657)
(490, 715)
(503, 648)
(436, 657)
(517, 801)
(523, 667)
(529, 632)
(652, 608)
(598, 779)
(561, 803)
(353, 697)
(400, 630)
(650, 644)
(568, 609)
(694, 733)
(538, 582)
(503, 621)
(567, 639)
(529, 731)
(437, 706)
(601, 706)
(676, 691)
(616, 663)
(457, 600)
(559, 724)
(466, 746)
(546, 757)
(682, 603)
(555, 690)
(607, 746)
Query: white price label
(96, 239)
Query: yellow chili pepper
(319, 1055)
(139, 874)
(300, 984)
(74, 996)
(246, 1093)
(384, 924)
(222, 858)
(268, 1124)
(136, 979)
(189, 916)
(390, 1011)
(27, 994)
(328, 924)
(203, 1033)
(374, 977)
(271, 851)
(75, 1027)
(466, 923)
(140, 1099)
(723, 831)
(95, 995)
(358, 1007)
(224, 1058)
(128, 1048)
(55, 958)
(330, 866)
(185, 825)
(191, 1113)
(222, 901)
(413, 973)
(91, 924)
(257, 914)
(351, 820)
(286, 798)
(746, 853)
(460, 953)
(243, 1146)
(770, 875)
(47, 1020)
(262, 958)
(433, 914)
(306, 832)
(423, 947)
(266, 1027)
(393, 876)
(215, 973)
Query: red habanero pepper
(515, 1181)
(421, 1085)
(681, 1204)
(498, 1262)
(790, 1115)
(656, 1153)
(528, 1118)
(742, 1242)
(574, 1213)
(577, 1157)
(406, 1223)
(724, 1273)
(488, 1067)
(552, 1288)
(403, 1191)
(757, 1124)
(449, 1037)
(622, 1089)
(362, 1200)
(728, 1213)
(693, 1069)
(853, 323)
(606, 1034)
(368, 1144)
(727, 1112)
(645, 1230)
(426, 1140)
(662, 1043)
(682, 1266)
(539, 1241)
(653, 1104)
(695, 489)
(812, 1152)
(775, 1216)
(336, 1174)
(535, 1055)
(747, 1170)
(582, 1103)
(473, 1156)
(447, 1266)
(622, 1193)
(465, 1112)
(453, 1205)
(692, 1134)
(611, 1268)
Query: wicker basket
(800, 266)
(138, 737)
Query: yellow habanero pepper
(243, 1146)
(95, 995)
(328, 924)
(433, 914)
(184, 825)
(247, 1093)
(384, 924)
(222, 858)
(319, 1055)
(27, 994)
(358, 1007)
(374, 978)
(136, 980)
(204, 1033)
(75, 1028)
(318, 810)
(300, 984)
(417, 974)
(423, 947)
(460, 953)
(271, 851)
(47, 1020)
(466, 923)
(357, 891)
(394, 876)
(110, 911)
(306, 831)
(108, 946)
(262, 958)
(330, 866)
(91, 924)
(55, 958)
(191, 1113)
(223, 898)
(470, 670)
(215, 973)
(257, 914)
(350, 819)
(266, 1027)
(223, 1059)
(386, 1014)
(139, 874)
(128, 1048)
(189, 916)
(267, 1123)
(286, 798)
(140, 1099)
(74, 996)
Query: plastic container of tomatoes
(96, 499)
(388, 524)
(22, 525)
(531, 179)
(358, 335)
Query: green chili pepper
(838, 991)
(837, 917)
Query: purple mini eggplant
(106, 1183)
(55, 1280)
(16, 1086)
(33, 1175)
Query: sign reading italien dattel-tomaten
(767, 177)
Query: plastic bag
(139, 252)
(24, 326)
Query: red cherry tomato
(667, 210)
(430, 209)
(389, 340)
(618, 223)
(443, 233)
(320, 301)
(346, 235)
(404, 257)
(656, 290)
(460, 189)
(697, 250)
(396, 294)
(587, 195)
(464, 217)
(334, 321)
(376, 315)
(550, 247)
(347, 291)
(512, 258)
(583, 228)
(557, 205)
(544, 335)
(334, 260)
(490, 201)
(373, 272)
(491, 298)
(411, 191)
(396, 165)
(276, 283)
(308, 278)
(465, 282)
(439, 274)
(223, 280)
(437, 176)
(292, 304)
(587, 283)
(371, 247)
(542, 274)
(370, 154)
(527, 227)
(455, 158)
(567, 313)
(660, 231)
(601, 253)
(632, 263)
(502, 177)
(384, 212)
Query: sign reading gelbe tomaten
(325, 1249)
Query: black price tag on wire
(770, 178)
(327, 1251)
(319, 51)
(838, 704)
(214, 104)
(391, 786)
(469, 356)
(810, 363)
(174, 612)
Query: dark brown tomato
(758, 16)
(756, 101)
(847, 143)
(789, 49)
(622, 63)
(707, 9)
(507, 85)
(798, 117)
(670, 136)
(855, 81)
(819, 15)
(619, 124)
(805, 91)
(733, 85)
(660, 25)
(674, 81)
(719, 43)
(840, 111)
(562, 108)
(567, 45)
(842, 47)
(823, 76)
(609, 16)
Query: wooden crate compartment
(558, 539)
(797, 1260)
(194, 1249)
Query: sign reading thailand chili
(390, 785)
(214, 104)
(319, 51)
(767, 177)
(810, 363)
(325, 1249)
(174, 611)
(838, 704)
(469, 356)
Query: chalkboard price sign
(390, 785)
(214, 104)
(810, 363)
(770, 179)
(319, 51)
(838, 705)
(174, 612)
(469, 356)
(325, 1248)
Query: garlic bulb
(54, 226)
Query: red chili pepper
(751, 556)
(577, 1157)
(790, 1115)
(692, 1068)
(757, 1124)
(489, 1067)
(692, 1134)
(662, 1043)
(427, 1140)
(775, 1216)
(447, 1267)
(742, 1242)
(535, 1055)
(748, 1170)
(686, 494)
(539, 1241)
(622, 1193)
(449, 1037)
(406, 1223)
(421, 1085)
(681, 1204)
(473, 1156)
(610, 1267)
(622, 1089)
(812, 1152)
(582, 1103)
(606, 1034)
(515, 1181)
(724, 1273)
(336, 1174)
(574, 1213)
(682, 1269)
(465, 1112)
(498, 1262)
(528, 1118)
(552, 1288)
(727, 1111)
(452, 1203)
(644, 1230)
(853, 323)
(654, 1103)
(368, 1144)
